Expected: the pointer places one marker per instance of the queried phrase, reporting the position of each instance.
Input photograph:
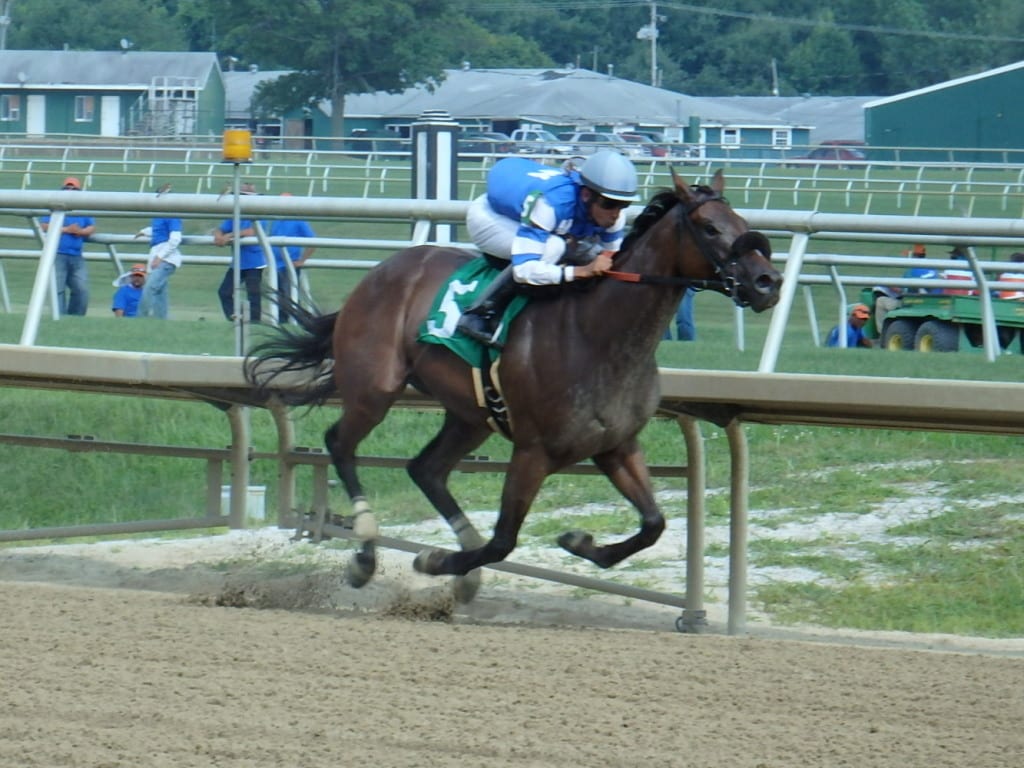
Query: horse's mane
(663, 202)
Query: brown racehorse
(578, 373)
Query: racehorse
(578, 374)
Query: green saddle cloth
(453, 299)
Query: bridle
(725, 269)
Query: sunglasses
(612, 205)
(70, 186)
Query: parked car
(539, 142)
(588, 142)
(646, 144)
(486, 143)
(833, 155)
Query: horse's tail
(302, 355)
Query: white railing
(802, 228)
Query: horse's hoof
(578, 543)
(361, 569)
(429, 561)
(464, 588)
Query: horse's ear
(682, 188)
(718, 182)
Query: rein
(636, 277)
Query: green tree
(97, 25)
(333, 47)
(802, 68)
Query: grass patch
(932, 586)
(819, 555)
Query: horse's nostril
(765, 283)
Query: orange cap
(72, 182)
(860, 311)
(139, 269)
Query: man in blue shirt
(296, 253)
(528, 214)
(129, 292)
(251, 265)
(164, 260)
(69, 269)
(855, 337)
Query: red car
(834, 155)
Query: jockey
(528, 213)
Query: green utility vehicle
(933, 322)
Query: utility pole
(654, 44)
(5, 22)
(650, 32)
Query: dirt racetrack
(108, 663)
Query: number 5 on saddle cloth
(440, 327)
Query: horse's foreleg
(627, 470)
(430, 471)
(522, 481)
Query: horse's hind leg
(626, 469)
(430, 471)
(341, 439)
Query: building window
(85, 109)
(730, 137)
(782, 138)
(10, 108)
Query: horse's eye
(710, 229)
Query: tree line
(729, 47)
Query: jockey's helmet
(611, 174)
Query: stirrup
(477, 328)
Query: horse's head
(736, 258)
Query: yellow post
(237, 149)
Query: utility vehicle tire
(899, 334)
(1004, 334)
(937, 336)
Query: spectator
(164, 259)
(889, 297)
(251, 265)
(69, 270)
(129, 292)
(685, 328)
(297, 253)
(859, 316)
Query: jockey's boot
(481, 320)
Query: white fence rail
(801, 228)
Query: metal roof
(555, 96)
(101, 70)
(828, 117)
(239, 86)
(946, 84)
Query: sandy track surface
(171, 655)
